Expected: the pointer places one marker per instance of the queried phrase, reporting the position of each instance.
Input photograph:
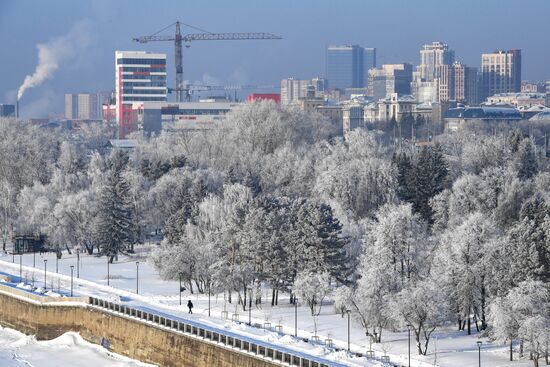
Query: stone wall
(125, 335)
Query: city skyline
(300, 54)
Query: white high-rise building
(294, 89)
(433, 56)
(140, 77)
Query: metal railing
(276, 354)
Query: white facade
(293, 89)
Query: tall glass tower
(347, 66)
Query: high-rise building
(7, 110)
(432, 56)
(389, 79)
(500, 72)
(548, 93)
(347, 66)
(140, 77)
(293, 89)
(83, 106)
(459, 83)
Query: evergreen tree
(527, 161)
(514, 139)
(404, 173)
(429, 178)
(114, 229)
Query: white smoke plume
(52, 53)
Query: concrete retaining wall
(125, 335)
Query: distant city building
(548, 93)
(153, 117)
(347, 66)
(527, 87)
(389, 79)
(432, 56)
(83, 106)
(293, 89)
(7, 110)
(320, 85)
(458, 83)
(520, 101)
(140, 77)
(353, 115)
(455, 118)
(392, 107)
(275, 97)
(500, 72)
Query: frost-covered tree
(397, 251)
(523, 314)
(312, 288)
(422, 306)
(463, 262)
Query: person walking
(190, 306)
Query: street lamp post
(78, 263)
(72, 268)
(137, 277)
(180, 274)
(208, 298)
(479, 342)
(108, 270)
(349, 313)
(45, 262)
(409, 327)
(295, 316)
(250, 306)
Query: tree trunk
(273, 297)
(483, 301)
(521, 348)
(469, 322)
(277, 297)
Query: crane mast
(182, 91)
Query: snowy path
(454, 349)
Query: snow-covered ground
(20, 350)
(449, 347)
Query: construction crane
(182, 92)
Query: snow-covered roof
(542, 116)
(123, 143)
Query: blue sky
(397, 28)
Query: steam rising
(51, 54)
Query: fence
(277, 354)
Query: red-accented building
(140, 77)
(275, 97)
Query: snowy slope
(17, 350)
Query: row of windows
(147, 70)
(144, 91)
(146, 84)
(141, 61)
(166, 111)
(145, 77)
(143, 99)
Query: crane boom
(178, 39)
(211, 37)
